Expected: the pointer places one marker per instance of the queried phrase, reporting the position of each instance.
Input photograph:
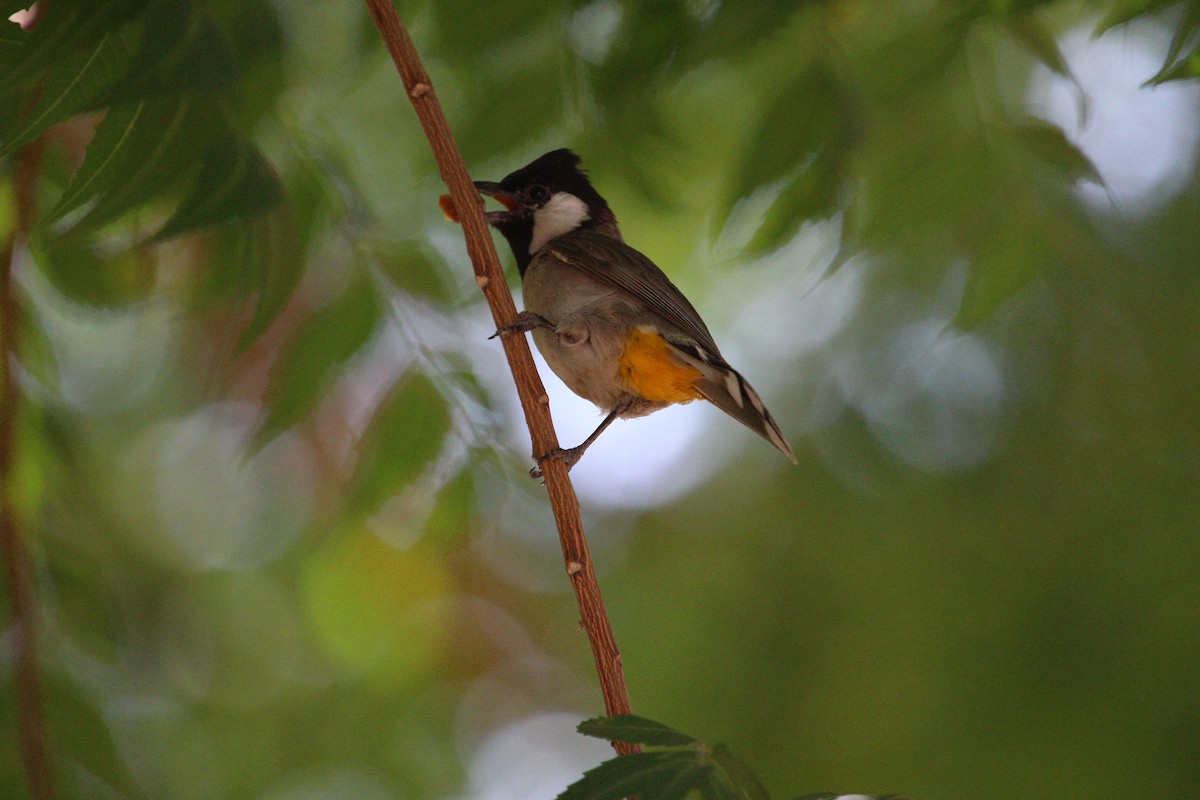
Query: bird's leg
(571, 455)
(526, 321)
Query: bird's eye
(538, 194)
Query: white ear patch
(563, 213)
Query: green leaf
(187, 52)
(657, 775)
(814, 193)
(265, 264)
(156, 147)
(737, 30)
(528, 97)
(1125, 11)
(646, 41)
(81, 734)
(1002, 264)
(1050, 145)
(1040, 41)
(919, 55)
(74, 85)
(73, 29)
(404, 436)
(411, 268)
(809, 121)
(1183, 69)
(718, 790)
(740, 778)
(1183, 34)
(851, 796)
(118, 141)
(235, 181)
(1184, 31)
(449, 520)
(89, 278)
(633, 729)
(324, 342)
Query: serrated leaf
(1183, 32)
(1183, 69)
(74, 85)
(322, 344)
(814, 193)
(658, 775)
(403, 437)
(1172, 68)
(1051, 145)
(1128, 10)
(741, 778)
(921, 52)
(166, 140)
(1001, 266)
(266, 266)
(1040, 41)
(235, 181)
(117, 138)
(632, 729)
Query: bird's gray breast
(592, 319)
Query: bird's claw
(568, 456)
(526, 321)
(508, 330)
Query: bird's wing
(616, 264)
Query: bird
(610, 324)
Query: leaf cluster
(164, 78)
(672, 766)
(1182, 61)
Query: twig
(17, 566)
(534, 401)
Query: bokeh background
(272, 474)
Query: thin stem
(22, 598)
(534, 402)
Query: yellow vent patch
(650, 371)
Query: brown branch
(22, 598)
(534, 402)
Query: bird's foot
(569, 456)
(526, 321)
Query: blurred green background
(272, 474)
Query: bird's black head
(546, 198)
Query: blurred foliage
(272, 479)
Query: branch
(534, 402)
(22, 597)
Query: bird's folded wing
(618, 265)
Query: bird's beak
(506, 198)
(512, 205)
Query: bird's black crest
(558, 168)
(559, 171)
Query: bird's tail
(725, 388)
